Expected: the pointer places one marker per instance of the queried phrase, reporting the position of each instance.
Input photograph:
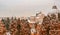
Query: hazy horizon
(26, 8)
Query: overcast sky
(25, 7)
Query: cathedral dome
(54, 7)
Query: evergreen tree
(7, 23)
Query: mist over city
(9, 8)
